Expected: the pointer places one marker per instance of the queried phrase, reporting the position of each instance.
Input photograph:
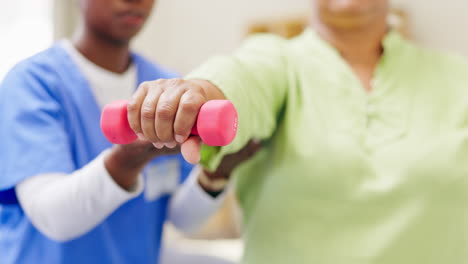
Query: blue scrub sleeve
(33, 138)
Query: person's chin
(126, 35)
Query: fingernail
(179, 138)
(170, 144)
(158, 145)
(141, 136)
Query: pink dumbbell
(216, 123)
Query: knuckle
(147, 113)
(175, 82)
(153, 85)
(191, 102)
(165, 111)
(199, 90)
(144, 85)
(132, 106)
(190, 106)
(199, 96)
(159, 81)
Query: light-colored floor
(178, 249)
(217, 242)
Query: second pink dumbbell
(216, 123)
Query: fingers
(190, 150)
(190, 102)
(134, 108)
(167, 109)
(164, 111)
(148, 114)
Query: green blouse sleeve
(254, 79)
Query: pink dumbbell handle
(216, 123)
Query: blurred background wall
(438, 24)
(26, 27)
(183, 33)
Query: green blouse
(347, 176)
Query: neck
(360, 45)
(104, 52)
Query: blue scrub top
(49, 123)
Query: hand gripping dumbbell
(216, 123)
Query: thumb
(191, 150)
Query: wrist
(123, 172)
(212, 182)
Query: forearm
(64, 207)
(122, 170)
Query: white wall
(26, 28)
(183, 33)
(438, 23)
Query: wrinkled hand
(164, 112)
